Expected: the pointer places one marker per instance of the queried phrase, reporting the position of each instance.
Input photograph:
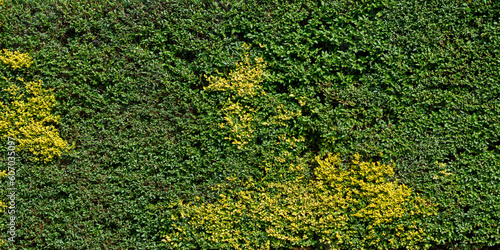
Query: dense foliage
(341, 207)
(411, 84)
(344, 208)
(26, 116)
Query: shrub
(28, 118)
(356, 206)
(417, 80)
(349, 207)
(27, 114)
(244, 83)
(15, 59)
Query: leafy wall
(415, 80)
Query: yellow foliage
(354, 206)
(27, 119)
(15, 59)
(240, 120)
(243, 82)
(293, 211)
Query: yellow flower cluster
(290, 213)
(26, 118)
(15, 59)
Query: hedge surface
(417, 81)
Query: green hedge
(415, 80)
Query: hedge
(412, 84)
